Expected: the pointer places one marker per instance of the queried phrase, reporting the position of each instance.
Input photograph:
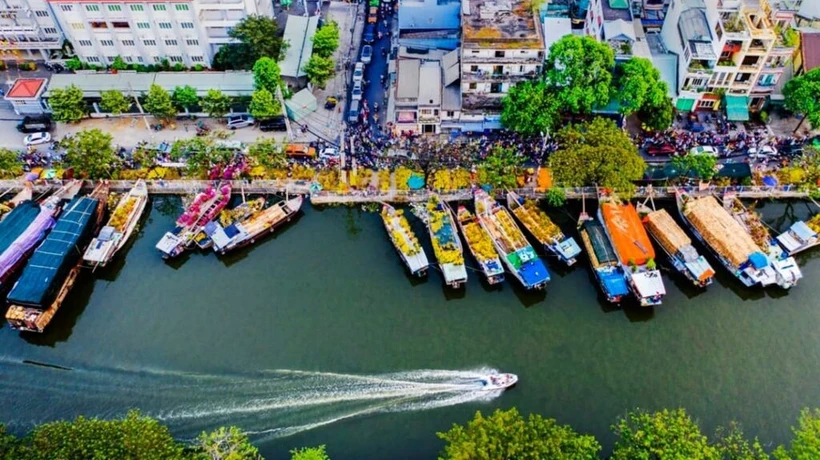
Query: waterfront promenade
(298, 187)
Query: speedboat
(499, 381)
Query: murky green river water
(317, 335)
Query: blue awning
(737, 108)
(758, 260)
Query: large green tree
(326, 39)
(158, 103)
(529, 108)
(10, 165)
(666, 434)
(639, 84)
(309, 453)
(319, 70)
(200, 154)
(90, 153)
(264, 105)
(216, 103)
(805, 444)
(508, 435)
(802, 94)
(227, 443)
(501, 167)
(268, 153)
(67, 104)
(731, 444)
(599, 153)
(701, 165)
(256, 36)
(267, 75)
(185, 97)
(114, 102)
(579, 73)
(657, 117)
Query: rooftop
(408, 79)
(616, 9)
(811, 50)
(430, 91)
(555, 29)
(665, 62)
(231, 83)
(499, 24)
(299, 31)
(26, 88)
(429, 15)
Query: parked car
(353, 112)
(356, 93)
(367, 54)
(37, 138)
(764, 152)
(660, 149)
(358, 72)
(240, 121)
(372, 17)
(34, 124)
(329, 153)
(300, 151)
(273, 124)
(369, 35)
(704, 149)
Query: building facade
(28, 30)
(187, 32)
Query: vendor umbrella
(415, 182)
(32, 176)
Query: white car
(358, 72)
(37, 138)
(240, 121)
(704, 150)
(764, 152)
(356, 93)
(367, 54)
(329, 153)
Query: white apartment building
(28, 30)
(187, 32)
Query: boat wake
(266, 404)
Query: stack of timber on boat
(446, 242)
(787, 273)
(631, 243)
(480, 245)
(798, 238)
(517, 254)
(121, 225)
(7, 206)
(15, 252)
(205, 208)
(602, 258)
(678, 247)
(254, 225)
(404, 240)
(52, 270)
(543, 229)
(727, 239)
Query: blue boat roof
(758, 260)
(17, 222)
(803, 231)
(231, 231)
(568, 248)
(614, 283)
(534, 272)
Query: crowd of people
(679, 141)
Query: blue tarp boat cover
(758, 260)
(231, 231)
(614, 283)
(803, 231)
(534, 272)
(58, 253)
(17, 222)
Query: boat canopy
(106, 234)
(614, 282)
(649, 284)
(534, 272)
(16, 223)
(627, 232)
(700, 268)
(803, 231)
(600, 244)
(51, 261)
(758, 260)
(568, 248)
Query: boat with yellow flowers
(446, 242)
(518, 255)
(480, 246)
(543, 229)
(250, 221)
(121, 225)
(404, 240)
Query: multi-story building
(187, 32)
(28, 30)
(726, 49)
(501, 46)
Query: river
(317, 336)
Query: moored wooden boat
(255, 225)
(120, 227)
(800, 236)
(480, 246)
(205, 208)
(602, 258)
(541, 227)
(678, 247)
(446, 242)
(404, 240)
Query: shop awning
(684, 105)
(737, 108)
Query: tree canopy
(599, 153)
(309, 453)
(90, 153)
(664, 434)
(200, 154)
(731, 444)
(508, 435)
(326, 39)
(216, 103)
(805, 444)
(578, 71)
(640, 85)
(319, 70)
(700, 164)
(185, 97)
(257, 36)
(529, 108)
(501, 167)
(264, 105)
(10, 164)
(67, 104)
(158, 102)
(227, 443)
(114, 102)
(657, 118)
(267, 74)
(268, 153)
(802, 95)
